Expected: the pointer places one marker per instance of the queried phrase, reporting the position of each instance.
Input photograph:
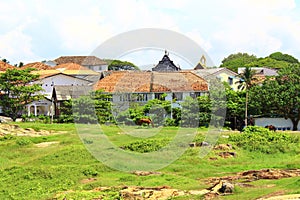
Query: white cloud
(219, 27)
(16, 46)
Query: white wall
(277, 122)
(59, 79)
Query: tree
(281, 95)
(245, 83)
(283, 57)
(234, 61)
(83, 110)
(18, 91)
(268, 62)
(118, 65)
(235, 101)
(103, 106)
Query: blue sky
(36, 30)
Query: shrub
(260, 139)
(145, 146)
(23, 141)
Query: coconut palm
(245, 83)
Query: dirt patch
(12, 129)
(46, 144)
(88, 180)
(253, 175)
(282, 197)
(145, 173)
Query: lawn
(67, 169)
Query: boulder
(223, 147)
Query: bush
(260, 139)
(145, 146)
(23, 142)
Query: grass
(58, 171)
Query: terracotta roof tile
(81, 60)
(73, 68)
(37, 65)
(124, 81)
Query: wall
(277, 122)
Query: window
(195, 94)
(178, 96)
(160, 96)
(230, 80)
(139, 97)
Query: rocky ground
(11, 129)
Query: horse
(271, 127)
(145, 121)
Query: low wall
(279, 123)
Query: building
(166, 65)
(91, 62)
(143, 86)
(223, 74)
(201, 64)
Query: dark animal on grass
(145, 121)
(271, 127)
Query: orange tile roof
(73, 68)
(4, 66)
(37, 65)
(125, 81)
(81, 60)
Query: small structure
(64, 92)
(223, 74)
(201, 64)
(91, 62)
(166, 64)
(141, 86)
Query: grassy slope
(29, 172)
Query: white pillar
(28, 110)
(35, 110)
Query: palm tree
(245, 83)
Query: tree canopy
(18, 90)
(282, 94)
(234, 61)
(283, 57)
(118, 65)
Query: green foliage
(234, 61)
(23, 141)
(260, 139)
(66, 114)
(281, 95)
(118, 65)
(83, 110)
(19, 91)
(103, 106)
(144, 146)
(190, 113)
(283, 57)
(268, 62)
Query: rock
(204, 143)
(140, 193)
(145, 173)
(198, 144)
(223, 147)
(227, 154)
(222, 186)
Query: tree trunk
(295, 124)
(246, 109)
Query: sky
(37, 30)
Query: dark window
(159, 96)
(230, 80)
(178, 96)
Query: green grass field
(60, 170)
